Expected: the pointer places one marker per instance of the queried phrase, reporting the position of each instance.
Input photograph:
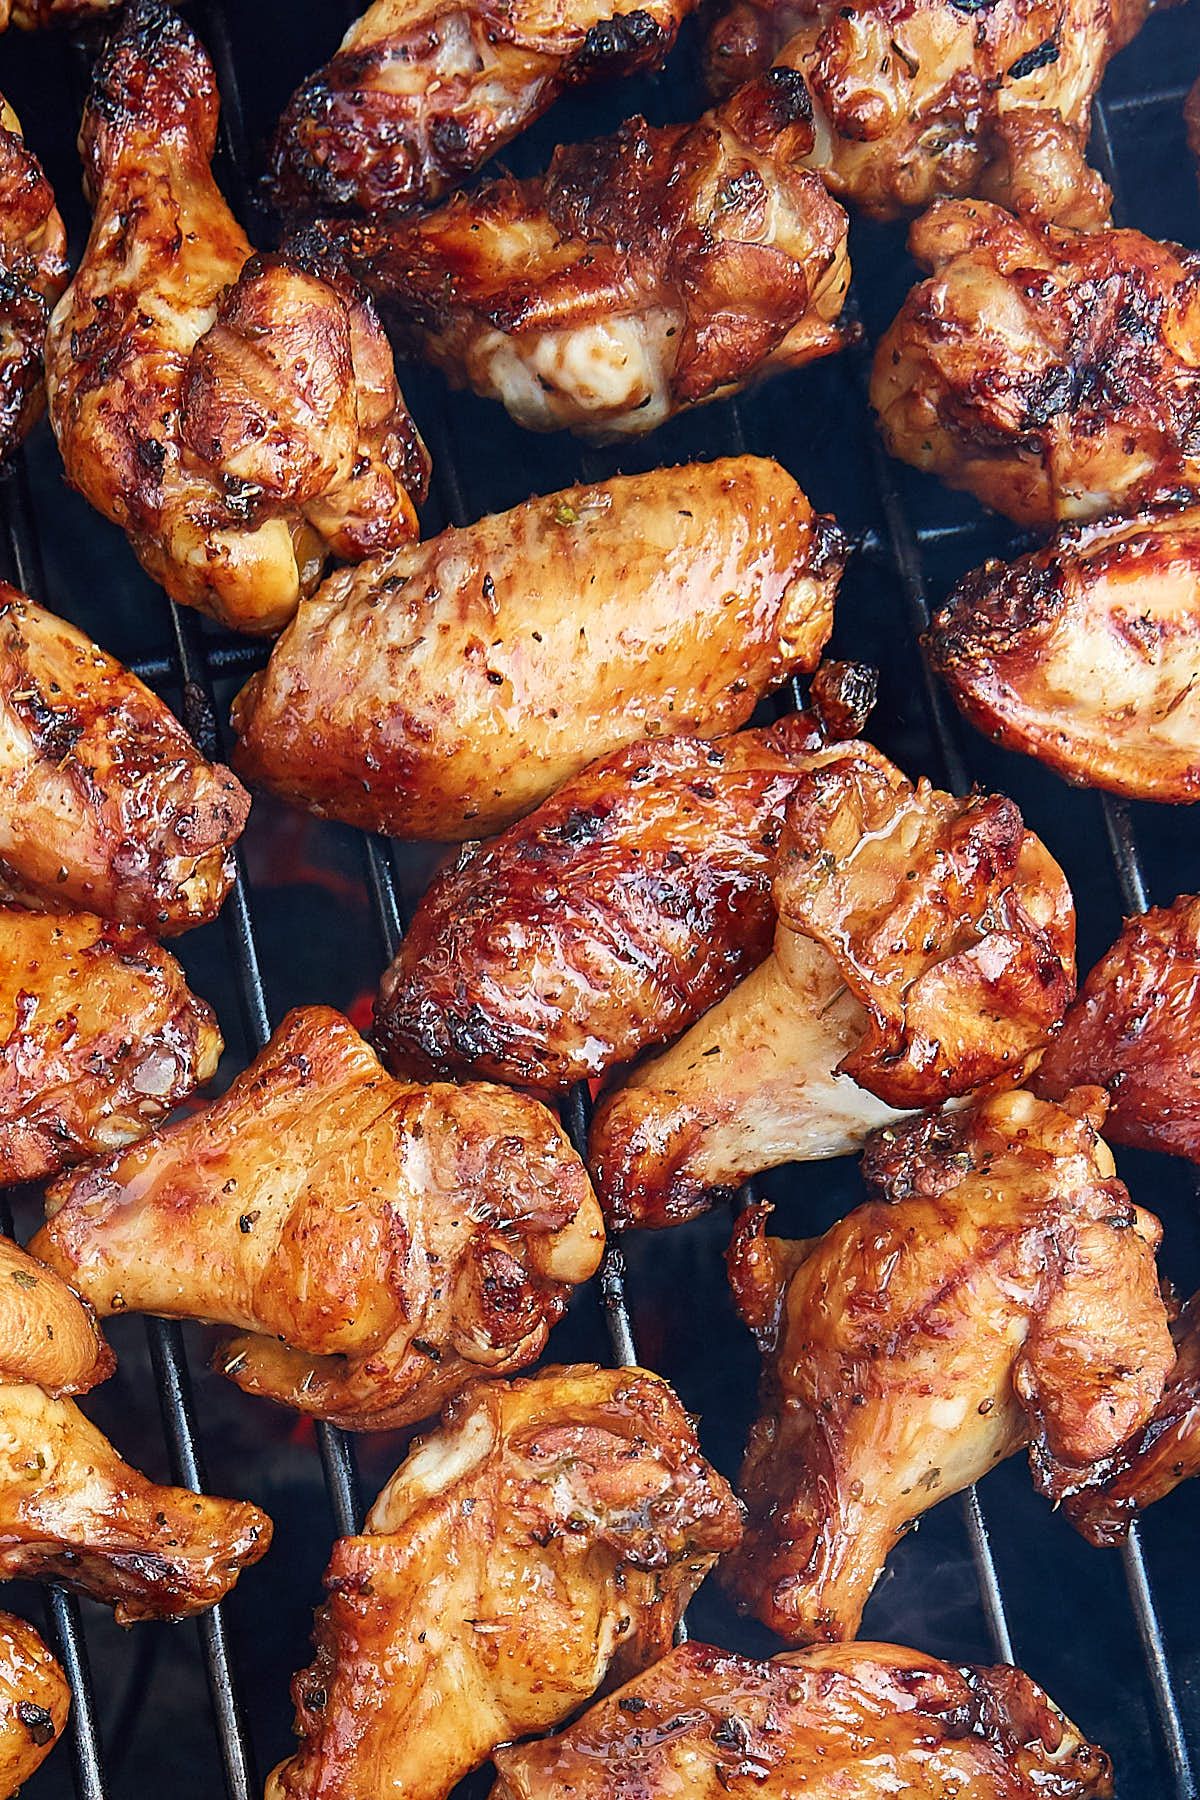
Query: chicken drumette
(34, 1702)
(33, 273)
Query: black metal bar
(65, 1629)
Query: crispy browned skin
(838, 1722)
(1087, 654)
(443, 691)
(99, 1039)
(34, 1702)
(924, 949)
(999, 1290)
(378, 1242)
(238, 416)
(644, 273)
(422, 92)
(48, 1335)
(550, 1534)
(1053, 374)
(1135, 1031)
(33, 273)
(105, 802)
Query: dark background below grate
(1115, 1639)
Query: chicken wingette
(33, 273)
(34, 1702)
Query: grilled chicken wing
(48, 1335)
(644, 273)
(378, 1242)
(1087, 654)
(550, 1534)
(422, 92)
(105, 802)
(33, 273)
(237, 415)
(836, 1722)
(1053, 374)
(999, 1289)
(924, 949)
(447, 689)
(34, 1702)
(1135, 1030)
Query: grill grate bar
(67, 1640)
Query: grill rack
(903, 540)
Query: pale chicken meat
(34, 1702)
(997, 1290)
(548, 1536)
(1053, 374)
(445, 690)
(925, 949)
(643, 274)
(237, 415)
(33, 273)
(375, 1243)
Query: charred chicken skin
(998, 1290)
(547, 1536)
(835, 1722)
(34, 1702)
(642, 274)
(33, 273)
(378, 1243)
(924, 950)
(105, 802)
(445, 690)
(1085, 654)
(237, 415)
(422, 92)
(1053, 374)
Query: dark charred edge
(843, 696)
(153, 68)
(829, 548)
(623, 45)
(993, 609)
(299, 181)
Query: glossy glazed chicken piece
(378, 1243)
(34, 1702)
(998, 1289)
(237, 415)
(105, 802)
(1086, 654)
(422, 92)
(99, 1039)
(1135, 1031)
(836, 1722)
(444, 690)
(33, 273)
(1053, 374)
(642, 274)
(924, 950)
(548, 1536)
(48, 1335)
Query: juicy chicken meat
(642, 274)
(48, 1335)
(1053, 374)
(422, 92)
(237, 415)
(1135, 1031)
(105, 802)
(446, 689)
(1085, 654)
(33, 273)
(34, 1701)
(548, 1536)
(376, 1242)
(998, 1289)
(924, 949)
(835, 1722)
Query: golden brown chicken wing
(447, 689)
(1053, 374)
(378, 1243)
(1087, 654)
(33, 273)
(1135, 1031)
(642, 274)
(105, 802)
(924, 950)
(34, 1702)
(238, 416)
(422, 92)
(836, 1722)
(48, 1335)
(998, 1290)
(550, 1534)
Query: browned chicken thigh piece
(237, 415)
(642, 274)
(105, 802)
(835, 1722)
(924, 950)
(33, 273)
(998, 1290)
(34, 1702)
(1053, 374)
(422, 92)
(548, 1536)
(444, 690)
(378, 1243)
